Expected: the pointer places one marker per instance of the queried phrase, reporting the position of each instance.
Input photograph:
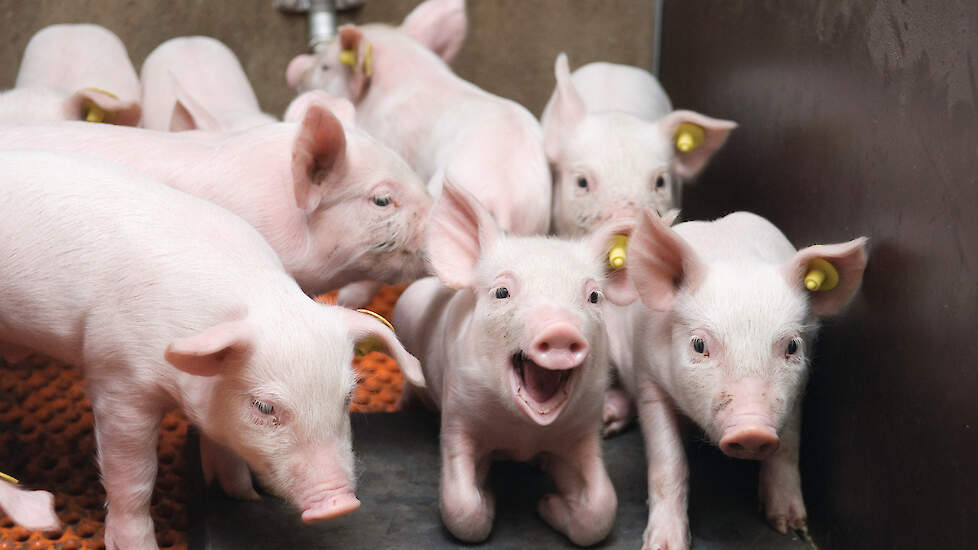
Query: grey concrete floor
(398, 467)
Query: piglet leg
(668, 527)
(467, 505)
(33, 510)
(584, 507)
(358, 294)
(779, 488)
(619, 410)
(231, 471)
(127, 432)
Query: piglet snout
(559, 346)
(331, 504)
(752, 442)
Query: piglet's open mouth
(539, 391)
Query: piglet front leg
(619, 410)
(467, 506)
(231, 471)
(779, 488)
(584, 507)
(668, 527)
(126, 432)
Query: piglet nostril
(543, 346)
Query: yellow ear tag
(689, 136)
(96, 113)
(821, 275)
(349, 58)
(368, 59)
(11, 479)
(371, 344)
(616, 254)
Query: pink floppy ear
(297, 69)
(567, 109)
(660, 262)
(848, 259)
(117, 111)
(320, 146)
(618, 286)
(363, 326)
(339, 106)
(189, 114)
(212, 351)
(715, 132)
(352, 40)
(438, 24)
(459, 230)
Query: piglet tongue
(541, 383)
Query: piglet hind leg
(585, 505)
(619, 410)
(127, 435)
(668, 527)
(33, 510)
(779, 487)
(231, 471)
(467, 506)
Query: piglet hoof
(782, 502)
(331, 507)
(666, 535)
(581, 531)
(784, 516)
(126, 532)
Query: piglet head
(364, 205)
(741, 330)
(611, 164)
(342, 68)
(537, 329)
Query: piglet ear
(297, 69)
(566, 109)
(190, 114)
(661, 262)
(459, 230)
(364, 327)
(319, 148)
(212, 351)
(339, 106)
(618, 286)
(356, 54)
(848, 260)
(97, 105)
(438, 24)
(690, 161)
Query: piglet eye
(582, 182)
(699, 346)
(263, 407)
(792, 348)
(660, 182)
(382, 200)
(594, 297)
(502, 293)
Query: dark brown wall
(859, 118)
(510, 48)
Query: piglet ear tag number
(367, 345)
(821, 275)
(689, 136)
(616, 251)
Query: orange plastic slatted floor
(47, 442)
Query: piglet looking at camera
(74, 72)
(514, 354)
(726, 331)
(613, 143)
(168, 301)
(197, 83)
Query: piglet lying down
(166, 300)
(515, 356)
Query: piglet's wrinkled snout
(559, 346)
(752, 442)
